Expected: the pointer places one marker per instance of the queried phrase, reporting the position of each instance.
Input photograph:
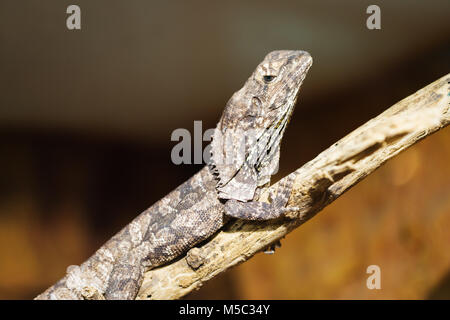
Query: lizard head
(246, 143)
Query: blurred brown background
(86, 118)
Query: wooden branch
(317, 183)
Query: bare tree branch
(317, 184)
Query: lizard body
(244, 154)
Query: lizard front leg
(255, 210)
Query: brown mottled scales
(245, 152)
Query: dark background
(86, 118)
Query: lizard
(245, 151)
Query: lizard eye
(268, 79)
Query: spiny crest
(246, 143)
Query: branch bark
(317, 184)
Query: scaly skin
(245, 153)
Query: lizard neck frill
(245, 147)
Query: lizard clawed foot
(252, 210)
(271, 249)
(255, 210)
